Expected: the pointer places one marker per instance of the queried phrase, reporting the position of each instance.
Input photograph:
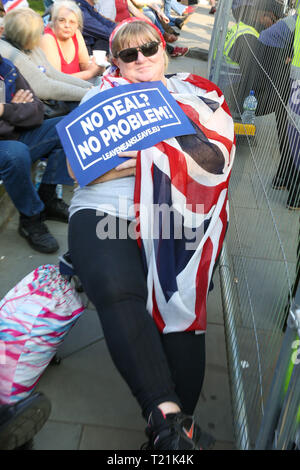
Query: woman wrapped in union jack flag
(150, 289)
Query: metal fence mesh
(258, 263)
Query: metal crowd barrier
(259, 265)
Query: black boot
(19, 423)
(55, 209)
(37, 234)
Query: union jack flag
(11, 4)
(182, 184)
(190, 175)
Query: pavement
(92, 407)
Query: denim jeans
(17, 156)
(174, 5)
(153, 18)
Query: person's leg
(167, 7)
(167, 10)
(284, 170)
(43, 141)
(213, 9)
(174, 5)
(169, 36)
(293, 200)
(113, 278)
(185, 352)
(15, 171)
(153, 18)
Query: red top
(66, 67)
(122, 10)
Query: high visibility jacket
(296, 55)
(230, 70)
(239, 29)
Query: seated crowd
(43, 66)
(53, 68)
(47, 66)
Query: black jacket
(17, 117)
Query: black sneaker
(181, 22)
(56, 209)
(19, 423)
(37, 234)
(175, 431)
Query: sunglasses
(131, 54)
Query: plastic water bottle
(249, 106)
(59, 191)
(39, 172)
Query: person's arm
(24, 111)
(88, 67)
(155, 5)
(37, 56)
(49, 46)
(96, 25)
(135, 11)
(148, 3)
(44, 87)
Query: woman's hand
(131, 163)
(23, 96)
(94, 68)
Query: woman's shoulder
(48, 31)
(17, 57)
(47, 39)
(7, 47)
(48, 44)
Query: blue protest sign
(128, 117)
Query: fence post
(240, 422)
(289, 421)
(218, 40)
(281, 411)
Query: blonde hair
(69, 5)
(23, 27)
(130, 32)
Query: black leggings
(157, 367)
